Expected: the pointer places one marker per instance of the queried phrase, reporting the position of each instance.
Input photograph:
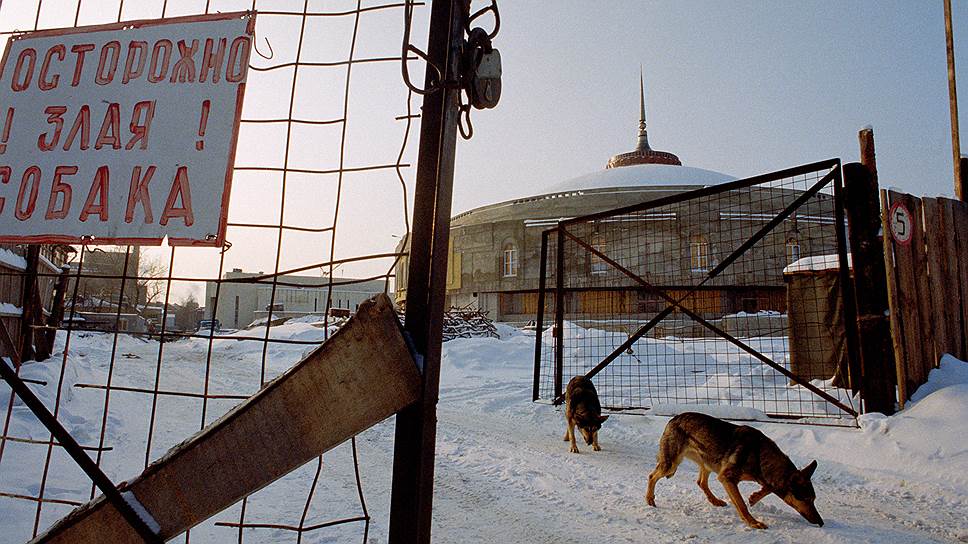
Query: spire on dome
(643, 153)
(643, 133)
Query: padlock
(485, 89)
(481, 70)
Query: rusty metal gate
(730, 295)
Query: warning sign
(901, 222)
(122, 133)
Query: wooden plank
(894, 305)
(952, 289)
(927, 327)
(359, 377)
(907, 261)
(960, 210)
(935, 280)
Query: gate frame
(834, 177)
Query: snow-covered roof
(12, 260)
(816, 263)
(644, 175)
(7, 309)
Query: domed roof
(644, 175)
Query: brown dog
(736, 453)
(583, 410)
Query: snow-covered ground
(503, 472)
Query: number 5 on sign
(901, 222)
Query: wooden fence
(20, 319)
(926, 257)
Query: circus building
(494, 256)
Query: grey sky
(736, 87)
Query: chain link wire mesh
(318, 194)
(727, 295)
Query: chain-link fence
(156, 343)
(731, 294)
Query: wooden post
(46, 346)
(961, 250)
(28, 303)
(963, 172)
(870, 286)
(949, 275)
(961, 187)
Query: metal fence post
(411, 500)
(559, 311)
(539, 320)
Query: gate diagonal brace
(673, 303)
(357, 378)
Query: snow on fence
(319, 184)
(926, 256)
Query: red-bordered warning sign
(122, 133)
(901, 222)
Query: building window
(699, 253)
(792, 251)
(510, 260)
(596, 264)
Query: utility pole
(961, 177)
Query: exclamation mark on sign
(200, 144)
(5, 135)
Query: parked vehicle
(205, 326)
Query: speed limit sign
(901, 222)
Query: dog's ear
(601, 419)
(808, 470)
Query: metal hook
(497, 19)
(410, 48)
(465, 116)
(255, 45)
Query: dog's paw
(650, 500)
(574, 449)
(756, 524)
(596, 447)
(719, 502)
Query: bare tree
(151, 283)
(186, 312)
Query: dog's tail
(671, 447)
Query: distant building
(240, 303)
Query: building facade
(240, 303)
(494, 255)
